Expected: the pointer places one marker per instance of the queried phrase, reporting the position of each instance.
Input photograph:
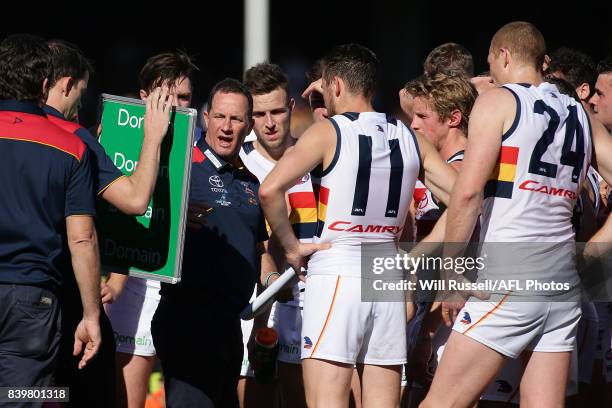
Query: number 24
(573, 129)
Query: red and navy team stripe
(501, 182)
(322, 200)
(68, 126)
(38, 129)
(303, 216)
(197, 156)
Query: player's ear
(338, 82)
(68, 85)
(583, 91)
(143, 94)
(45, 89)
(455, 118)
(546, 63)
(205, 116)
(507, 57)
(291, 104)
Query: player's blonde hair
(524, 41)
(444, 94)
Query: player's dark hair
(264, 78)
(68, 61)
(449, 58)
(605, 65)
(231, 85)
(576, 67)
(356, 65)
(165, 68)
(25, 63)
(564, 87)
(316, 71)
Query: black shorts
(94, 385)
(29, 336)
(201, 353)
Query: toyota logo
(215, 181)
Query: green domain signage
(148, 246)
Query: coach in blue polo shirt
(46, 220)
(196, 329)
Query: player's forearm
(439, 178)
(86, 266)
(142, 181)
(275, 210)
(440, 188)
(131, 195)
(462, 215)
(267, 267)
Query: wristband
(267, 280)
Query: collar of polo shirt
(218, 161)
(50, 110)
(14, 105)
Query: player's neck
(455, 141)
(55, 101)
(272, 154)
(354, 104)
(525, 75)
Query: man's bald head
(524, 42)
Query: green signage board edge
(192, 113)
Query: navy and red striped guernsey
(105, 172)
(45, 174)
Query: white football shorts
(131, 316)
(338, 326)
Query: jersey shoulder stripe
(517, 116)
(336, 153)
(32, 128)
(68, 126)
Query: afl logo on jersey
(504, 386)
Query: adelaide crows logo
(307, 342)
(466, 318)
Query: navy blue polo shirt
(220, 263)
(45, 176)
(105, 172)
